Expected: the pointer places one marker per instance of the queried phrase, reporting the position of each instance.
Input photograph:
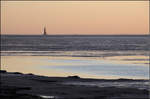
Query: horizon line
(80, 34)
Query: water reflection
(89, 67)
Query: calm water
(86, 56)
(74, 43)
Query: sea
(87, 56)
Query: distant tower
(44, 31)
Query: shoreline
(23, 86)
(73, 76)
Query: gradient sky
(75, 17)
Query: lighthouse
(44, 31)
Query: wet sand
(15, 85)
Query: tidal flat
(16, 85)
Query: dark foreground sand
(28, 86)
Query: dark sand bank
(15, 85)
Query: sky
(75, 17)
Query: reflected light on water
(47, 65)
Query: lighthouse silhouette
(44, 31)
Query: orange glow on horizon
(75, 17)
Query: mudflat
(15, 85)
